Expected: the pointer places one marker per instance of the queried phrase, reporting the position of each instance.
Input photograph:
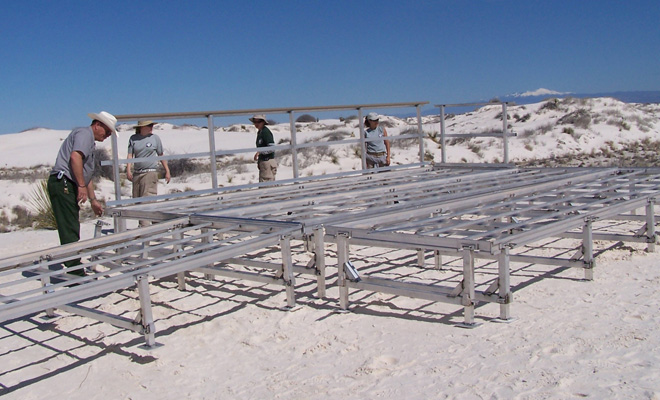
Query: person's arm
(167, 170)
(76, 161)
(387, 145)
(129, 168)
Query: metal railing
(504, 134)
(294, 146)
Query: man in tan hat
(144, 174)
(265, 158)
(70, 181)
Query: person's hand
(256, 156)
(167, 176)
(387, 160)
(82, 195)
(97, 207)
(129, 176)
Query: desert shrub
(306, 118)
(42, 208)
(550, 105)
(183, 166)
(23, 217)
(386, 123)
(545, 128)
(528, 133)
(406, 143)
(524, 118)
(568, 130)
(619, 123)
(336, 135)
(581, 118)
(475, 148)
(31, 174)
(500, 115)
(101, 171)
(348, 119)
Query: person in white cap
(265, 158)
(70, 181)
(378, 151)
(144, 174)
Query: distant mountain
(651, 96)
(539, 95)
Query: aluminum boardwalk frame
(468, 212)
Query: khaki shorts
(145, 184)
(267, 170)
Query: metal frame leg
(287, 271)
(588, 249)
(504, 284)
(342, 258)
(319, 258)
(650, 226)
(468, 293)
(147, 318)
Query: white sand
(230, 339)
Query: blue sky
(62, 59)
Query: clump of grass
(41, 206)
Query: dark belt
(382, 153)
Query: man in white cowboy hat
(144, 174)
(70, 181)
(265, 158)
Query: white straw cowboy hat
(140, 124)
(372, 116)
(259, 116)
(106, 118)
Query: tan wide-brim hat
(140, 124)
(106, 118)
(259, 116)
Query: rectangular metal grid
(470, 212)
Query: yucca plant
(41, 206)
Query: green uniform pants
(64, 198)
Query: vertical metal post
(362, 139)
(650, 225)
(468, 286)
(181, 276)
(208, 238)
(294, 145)
(420, 258)
(504, 283)
(505, 133)
(632, 191)
(437, 257)
(115, 166)
(588, 249)
(443, 138)
(287, 271)
(319, 258)
(342, 258)
(145, 310)
(420, 130)
(214, 167)
(45, 283)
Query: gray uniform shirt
(82, 140)
(145, 146)
(377, 146)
